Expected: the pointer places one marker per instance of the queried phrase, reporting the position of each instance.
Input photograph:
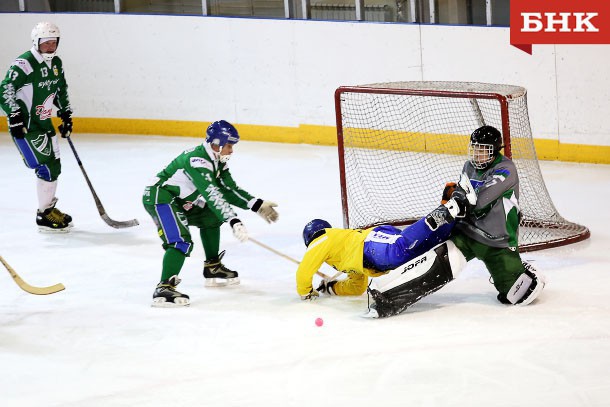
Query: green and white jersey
(494, 221)
(195, 177)
(34, 86)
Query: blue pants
(172, 227)
(40, 152)
(387, 247)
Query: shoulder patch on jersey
(502, 171)
(200, 162)
(501, 174)
(24, 65)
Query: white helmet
(45, 30)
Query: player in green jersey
(35, 83)
(197, 189)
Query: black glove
(65, 128)
(15, 124)
(459, 195)
(327, 287)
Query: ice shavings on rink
(99, 342)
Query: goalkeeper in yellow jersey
(374, 252)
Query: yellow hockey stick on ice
(30, 288)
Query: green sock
(172, 263)
(210, 238)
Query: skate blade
(46, 229)
(221, 282)
(163, 303)
(371, 314)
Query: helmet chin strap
(49, 56)
(221, 158)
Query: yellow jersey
(341, 249)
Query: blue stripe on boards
(169, 223)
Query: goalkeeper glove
(266, 210)
(449, 188)
(239, 230)
(15, 124)
(459, 196)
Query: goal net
(400, 142)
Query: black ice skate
(51, 220)
(66, 218)
(217, 275)
(166, 295)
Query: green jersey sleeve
(14, 80)
(234, 194)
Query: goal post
(400, 142)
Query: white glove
(239, 230)
(265, 210)
(313, 294)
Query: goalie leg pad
(404, 286)
(528, 286)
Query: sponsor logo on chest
(48, 83)
(45, 110)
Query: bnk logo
(563, 22)
(558, 22)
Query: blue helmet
(314, 229)
(221, 132)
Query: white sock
(46, 194)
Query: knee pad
(527, 288)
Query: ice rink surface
(99, 342)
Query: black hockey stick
(30, 288)
(100, 208)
